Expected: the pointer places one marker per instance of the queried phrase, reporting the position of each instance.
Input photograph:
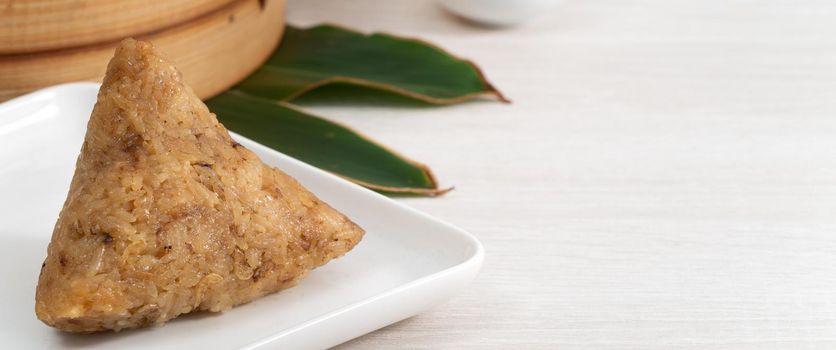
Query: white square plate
(407, 261)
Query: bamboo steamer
(226, 41)
(41, 25)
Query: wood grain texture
(41, 25)
(213, 51)
(665, 178)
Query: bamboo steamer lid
(214, 50)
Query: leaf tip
(489, 88)
(442, 191)
(498, 94)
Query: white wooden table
(665, 178)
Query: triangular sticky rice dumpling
(166, 214)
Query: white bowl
(499, 12)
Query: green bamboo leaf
(311, 58)
(322, 143)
